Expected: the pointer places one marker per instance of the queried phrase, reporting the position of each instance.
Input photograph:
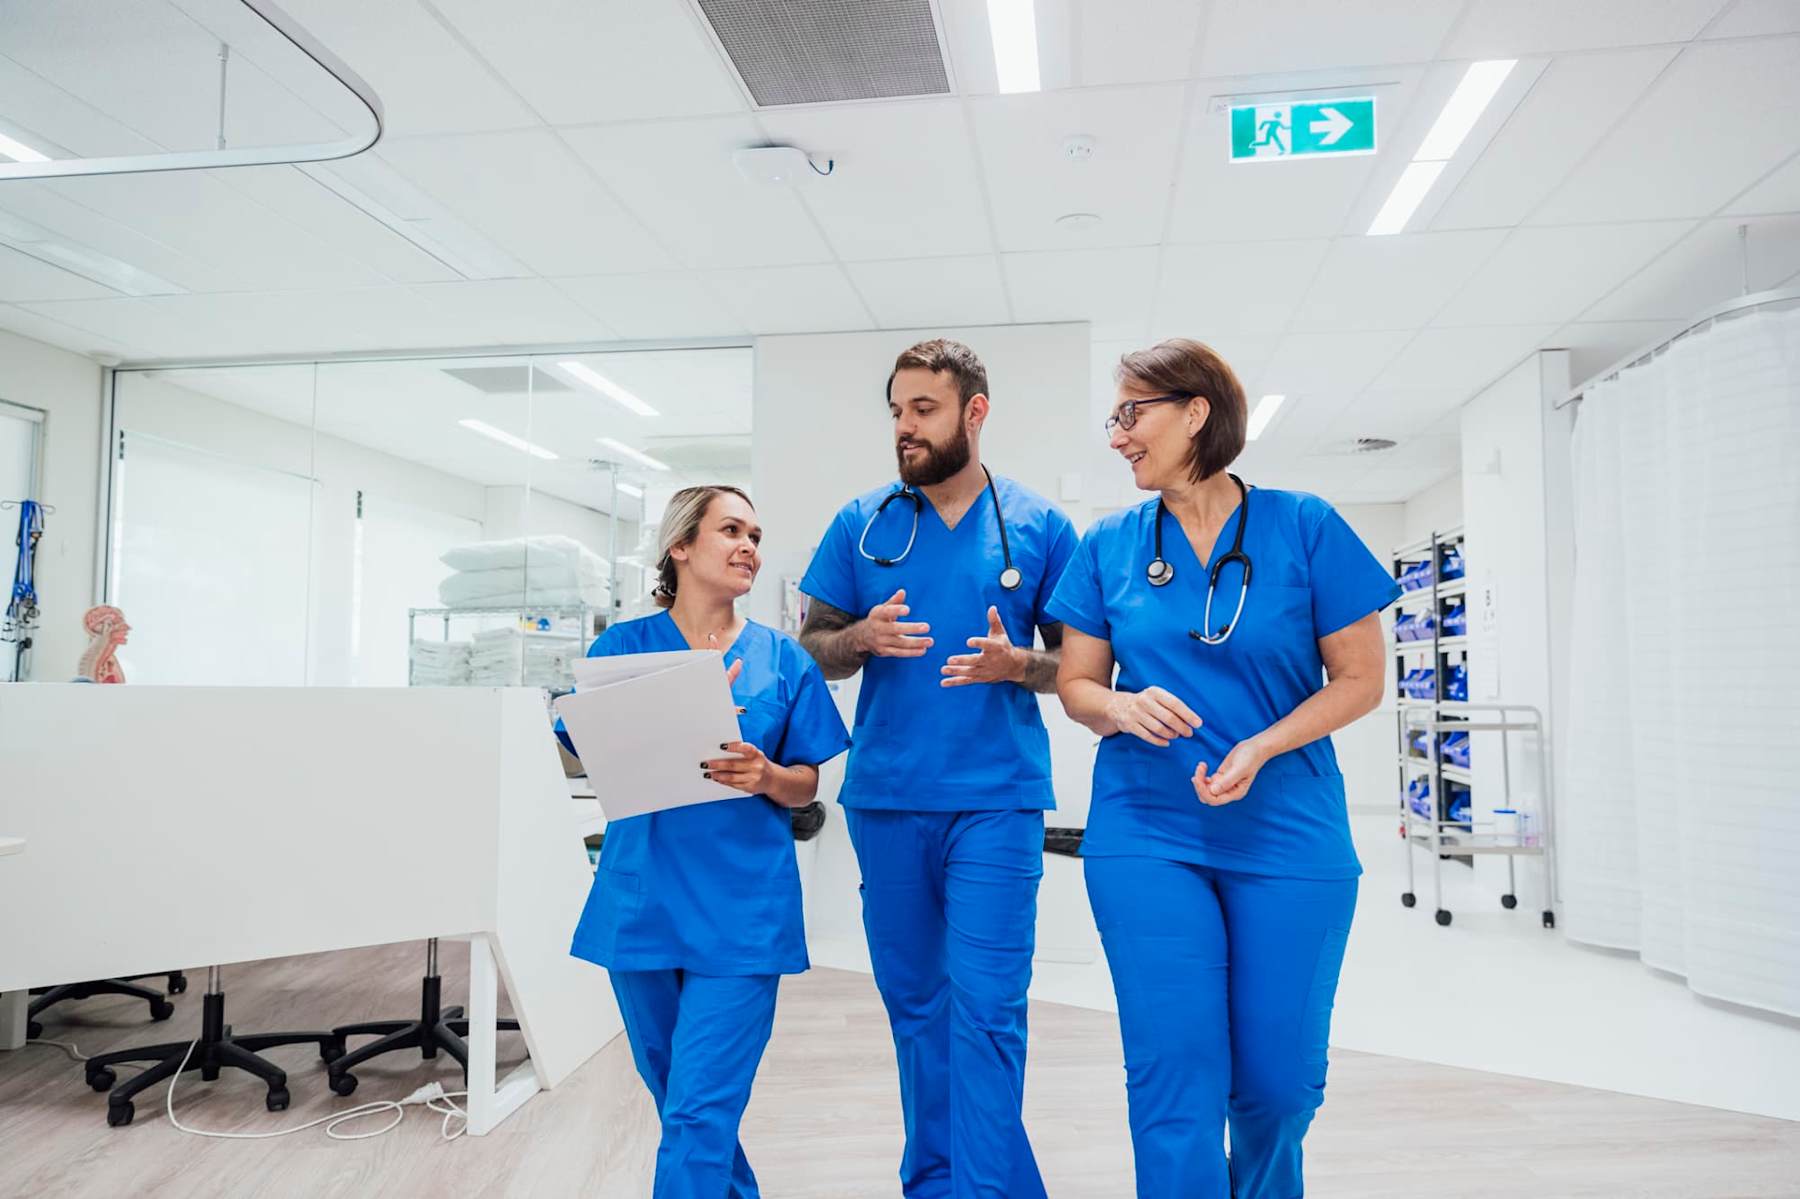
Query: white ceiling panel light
(1479, 85)
(1263, 415)
(1013, 24)
(507, 439)
(632, 490)
(43, 245)
(606, 387)
(637, 456)
(18, 151)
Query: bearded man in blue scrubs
(934, 587)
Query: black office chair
(47, 997)
(437, 1028)
(217, 1048)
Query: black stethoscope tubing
(1010, 577)
(1160, 573)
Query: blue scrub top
(713, 887)
(1312, 576)
(917, 745)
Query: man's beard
(936, 464)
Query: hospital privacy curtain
(1679, 807)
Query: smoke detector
(1078, 222)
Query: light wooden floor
(824, 1122)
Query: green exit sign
(1309, 129)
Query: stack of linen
(513, 658)
(524, 572)
(440, 663)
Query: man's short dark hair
(942, 354)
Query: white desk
(14, 1005)
(247, 823)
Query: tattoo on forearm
(826, 636)
(1041, 664)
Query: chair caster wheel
(161, 1009)
(33, 1030)
(277, 1100)
(1408, 899)
(118, 1115)
(102, 1079)
(177, 983)
(1509, 902)
(331, 1051)
(1443, 917)
(343, 1084)
(1549, 919)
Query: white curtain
(1679, 807)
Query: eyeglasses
(1127, 416)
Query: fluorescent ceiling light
(18, 151)
(1013, 24)
(607, 387)
(1470, 99)
(505, 438)
(39, 243)
(636, 493)
(1405, 198)
(1265, 411)
(638, 456)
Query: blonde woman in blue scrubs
(695, 911)
(1217, 853)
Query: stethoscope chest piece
(1011, 579)
(1159, 572)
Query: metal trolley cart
(1443, 838)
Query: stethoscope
(1160, 573)
(1010, 578)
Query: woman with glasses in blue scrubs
(1244, 624)
(695, 911)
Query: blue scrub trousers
(950, 908)
(1225, 983)
(697, 1040)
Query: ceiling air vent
(505, 380)
(829, 51)
(1371, 445)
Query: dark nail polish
(724, 744)
(707, 775)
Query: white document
(643, 723)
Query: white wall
(1515, 472)
(1434, 510)
(1366, 750)
(69, 389)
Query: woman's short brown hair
(1184, 367)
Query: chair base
(47, 997)
(437, 1029)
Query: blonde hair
(680, 526)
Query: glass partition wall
(467, 520)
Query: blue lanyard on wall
(23, 605)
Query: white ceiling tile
(1110, 288)
(25, 278)
(791, 299)
(65, 336)
(1031, 182)
(1254, 37)
(532, 196)
(428, 79)
(1460, 362)
(1568, 110)
(1595, 346)
(1706, 268)
(1757, 18)
(1323, 365)
(1778, 192)
(922, 292)
(883, 201)
(511, 312)
(305, 202)
(1149, 41)
(582, 61)
(1547, 276)
(678, 179)
(1249, 287)
(248, 246)
(1397, 282)
(1394, 413)
(1720, 117)
(1513, 28)
(654, 306)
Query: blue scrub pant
(1225, 983)
(697, 1040)
(950, 907)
